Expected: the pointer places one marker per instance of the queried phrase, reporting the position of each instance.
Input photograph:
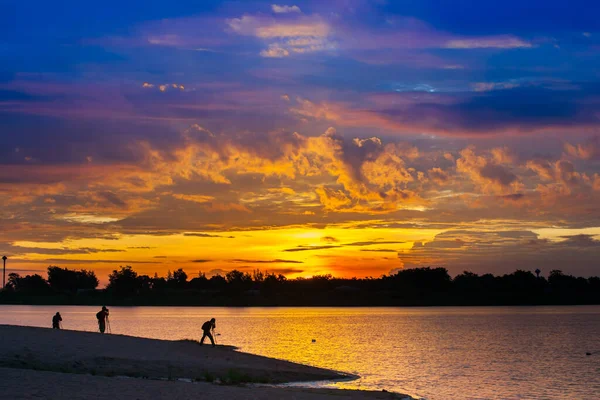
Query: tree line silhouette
(408, 287)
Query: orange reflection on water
(437, 352)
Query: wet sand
(53, 364)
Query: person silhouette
(102, 315)
(207, 327)
(56, 321)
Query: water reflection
(437, 353)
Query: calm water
(435, 353)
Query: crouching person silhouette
(207, 327)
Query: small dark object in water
(314, 340)
(588, 354)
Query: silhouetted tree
(422, 280)
(238, 282)
(258, 276)
(199, 283)
(566, 284)
(124, 282)
(29, 284)
(69, 281)
(522, 281)
(159, 283)
(178, 279)
(416, 286)
(217, 282)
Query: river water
(433, 353)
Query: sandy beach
(59, 364)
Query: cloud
(164, 86)
(438, 175)
(369, 243)
(581, 240)
(14, 249)
(206, 235)
(496, 42)
(285, 271)
(196, 198)
(381, 250)
(333, 199)
(489, 86)
(90, 261)
(481, 251)
(112, 198)
(283, 9)
(310, 248)
(200, 261)
(325, 247)
(276, 261)
(461, 114)
(513, 197)
(275, 51)
(587, 150)
(268, 28)
(303, 34)
(491, 177)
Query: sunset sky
(349, 137)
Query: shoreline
(81, 359)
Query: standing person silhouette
(102, 315)
(56, 321)
(206, 328)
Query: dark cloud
(329, 239)
(18, 250)
(200, 261)
(381, 250)
(285, 271)
(276, 261)
(83, 262)
(521, 109)
(207, 235)
(369, 243)
(503, 252)
(513, 197)
(366, 243)
(113, 199)
(309, 248)
(498, 174)
(581, 240)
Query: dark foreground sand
(51, 364)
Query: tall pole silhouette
(4, 272)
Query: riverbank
(61, 364)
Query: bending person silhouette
(207, 327)
(102, 315)
(56, 321)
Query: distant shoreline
(416, 287)
(62, 359)
(59, 301)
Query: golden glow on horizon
(293, 251)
